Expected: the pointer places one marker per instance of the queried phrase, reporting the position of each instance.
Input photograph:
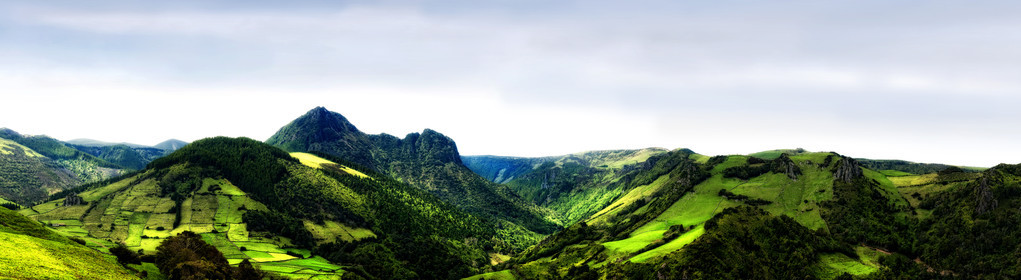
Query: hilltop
(295, 214)
(427, 160)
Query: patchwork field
(128, 212)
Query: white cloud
(529, 81)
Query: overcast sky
(926, 81)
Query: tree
(186, 256)
(125, 255)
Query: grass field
(94, 194)
(499, 275)
(894, 173)
(632, 196)
(7, 147)
(671, 246)
(27, 257)
(333, 231)
(834, 264)
(314, 161)
(798, 199)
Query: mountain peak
(323, 130)
(171, 144)
(321, 118)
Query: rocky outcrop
(847, 170)
(985, 200)
(784, 165)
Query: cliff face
(985, 200)
(785, 165)
(847, 170)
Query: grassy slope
(799, 199)
(576, 186)
(27, 176)
(32, 251)
(133, 211)
(126, 211)
(35, 166)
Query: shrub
(125, 255)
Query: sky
(924, 81)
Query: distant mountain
(170, 145)
(257, 202)
(123, 155)
(32, 167)
(427, 160)
(128, 155)
(97, 143)
(501, 169)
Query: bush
(78, 240)
(187, 256)
(125, 255)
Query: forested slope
(298, 215)
(427, 160)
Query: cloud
(674, 73)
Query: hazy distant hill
(171, 145)
(97, 143)
(128, 155)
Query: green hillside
(32, 167)
(772, 218)
(427, 160)
(297, 215)
(574, 186)
(501, 170)
(123, 155)
(32, 251)
(909, 167)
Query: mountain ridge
(428, 160)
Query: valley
(322, 200)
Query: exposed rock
(985, 200)
(785, 165)
(847, 170)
